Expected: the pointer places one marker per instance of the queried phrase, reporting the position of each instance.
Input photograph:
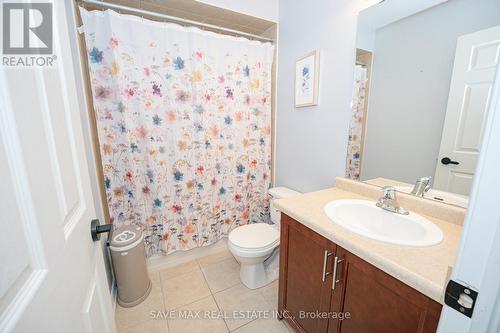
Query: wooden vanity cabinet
(301, 283)
(375, 301)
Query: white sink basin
(366, 219)
(442, 196)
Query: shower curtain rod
(172, 18)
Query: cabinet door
(377, 302)
(305, 276)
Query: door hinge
(460, 298)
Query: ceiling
(390, 11)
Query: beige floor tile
(242, 305)
(222, 275)
(271, 325)
(175, 271)
(184, 289)
(129, 317)
(287, 325)
(213, 258)
(270, 293)
(155, 278)
(208, 321)
(150, 326)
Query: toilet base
(253, 275)
(258, 274)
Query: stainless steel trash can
(129, 263)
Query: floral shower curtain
(353, 161)
(184, 126)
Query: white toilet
(256, 246)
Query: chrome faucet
(389, 202)
(422, 185)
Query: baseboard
(159, 262)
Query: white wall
(311, 141)
(411, 76)
(264, 9)
(365, 38)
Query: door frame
(478, 267)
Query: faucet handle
(388, 201)
(389, 192)
(425, 180)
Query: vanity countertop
(422, 268)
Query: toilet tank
(278, 193)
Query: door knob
(447, 160)
(96, 229)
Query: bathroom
(246, 166)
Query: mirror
(423, 75)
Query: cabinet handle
(325, 261)
(336, 261)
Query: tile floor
(210, 288)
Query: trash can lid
(125, 236)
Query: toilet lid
(254, 236)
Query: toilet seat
(249, 252)
(256, 237)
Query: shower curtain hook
(142, 8)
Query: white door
(52, 275)
(476, 58)
(478, 261)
